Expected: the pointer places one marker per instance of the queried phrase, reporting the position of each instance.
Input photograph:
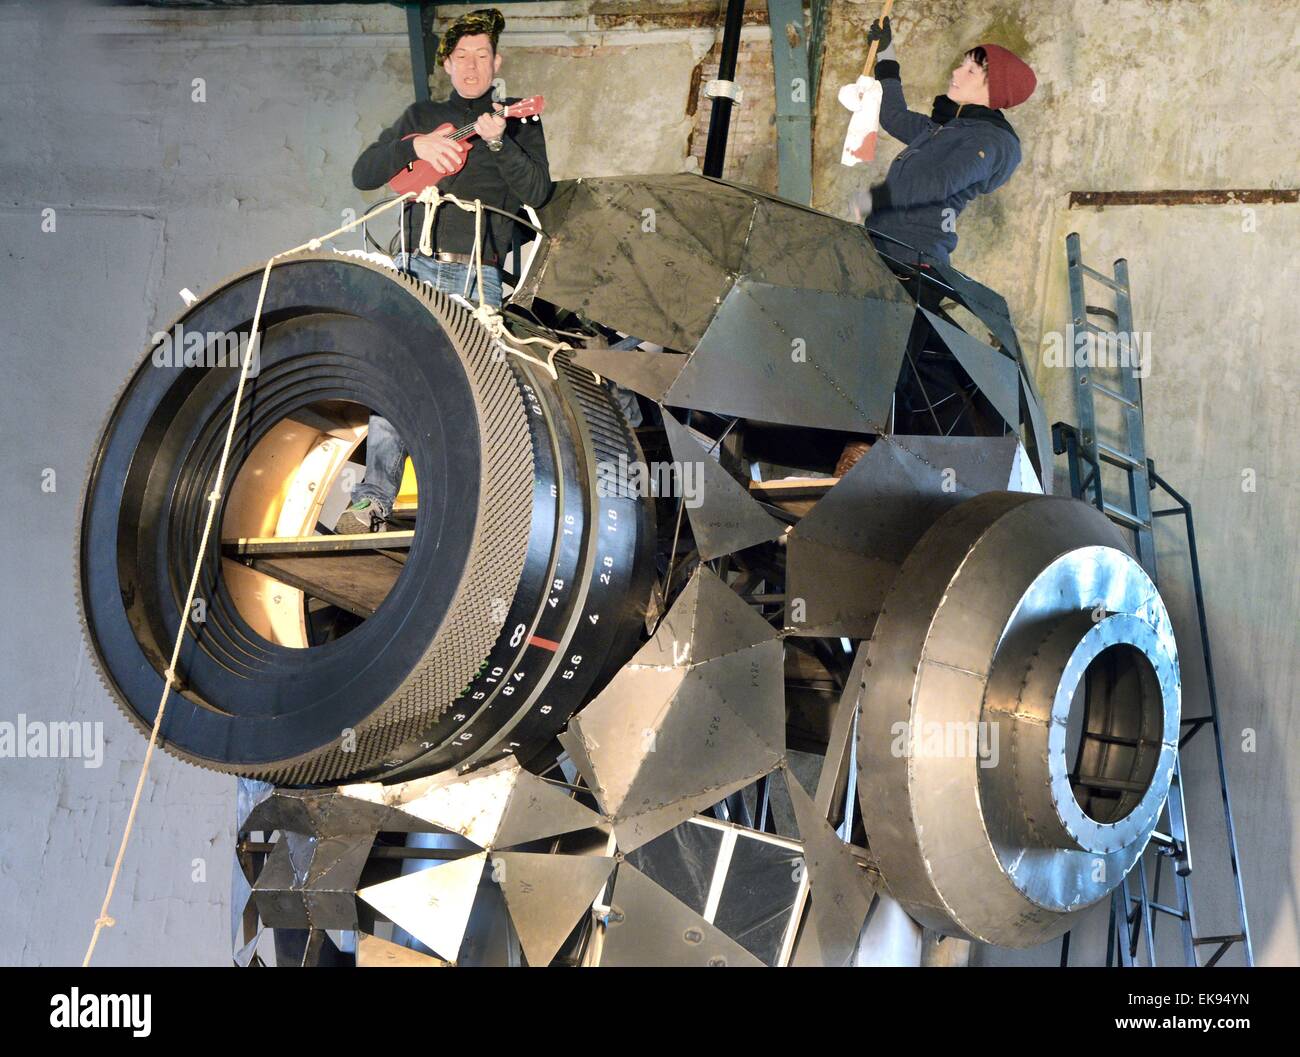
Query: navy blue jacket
(960, 151)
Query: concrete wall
(623, 79)
(1154, 95)
(154, 191)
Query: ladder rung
(1105, 280)
(1119, 458)
(1125, 517)
(1202, 940)
(1105, 390)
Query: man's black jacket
(515, 174)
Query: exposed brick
(752, 130)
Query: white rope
(488, 315)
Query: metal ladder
(1133, 903)
(1125, 389)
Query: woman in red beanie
(966, 147)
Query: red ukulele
(419, 174)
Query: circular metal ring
(1005, 609)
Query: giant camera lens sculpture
(672, 655)
(520, 587)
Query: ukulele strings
(465, 130)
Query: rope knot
(432, 199)
(104, 921)
(491, 319)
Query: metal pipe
(419, 51)
(715, 150)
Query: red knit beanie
(1011, 81)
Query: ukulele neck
(465, 131)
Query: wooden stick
(871, 53)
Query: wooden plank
(794, 495)
(791, 488)
(365, 541)
(357, 583)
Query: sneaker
(361, 517)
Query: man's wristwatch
(494, 145)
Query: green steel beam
(793, 99)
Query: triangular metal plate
(706, 619)
(538, 809)
(724, 518)
(547, 895)
(650, 927)
(996, 373)
(841, 893)
(374, 952)
(433, 905)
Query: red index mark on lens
(546, 644)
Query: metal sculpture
(587, 722)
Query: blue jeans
(385, 452)
(453, 278)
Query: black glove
(881, 33)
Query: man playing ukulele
(506, 169)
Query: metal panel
(648, 927)
(433, 905)
(373, 952)
(498, 805)
(547, 895)
(843, 556)
(310, 883)
(724, 519)
(799, 357)
(841, 892)
(696, 715)
(995, 373)
(649, 373)
(655, 255)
